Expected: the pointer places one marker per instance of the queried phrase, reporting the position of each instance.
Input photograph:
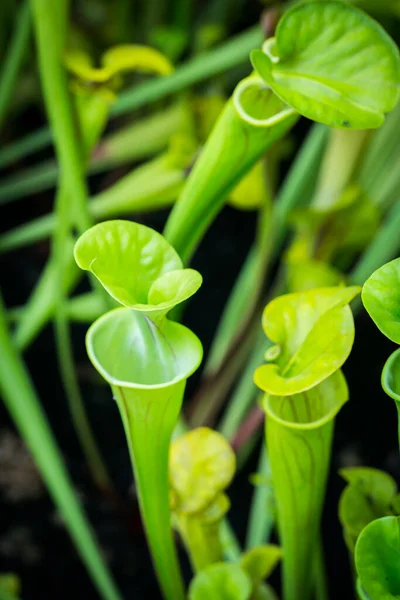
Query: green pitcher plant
(146, 359)
(292, 77)
(201, 466)
(238, 581)
(313, 333)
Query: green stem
(50, 22)
(298, 185)
(230, 545)
(24, 407)
(262, 518)
(219, 60)
(149, 417)
(138, 141)
(151, 186)
(14, 57)
(202, 541)
(339, 164)
(233, 147)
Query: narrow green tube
(299, 433)
(233, 147)
(147, 360)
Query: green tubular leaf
(368, 496)
(136, 265)
(201, 465)
(257, 104)
(147, 364)
(377, 559)
(381, 298)
(222, 581)
(391, 376)
(259, 562)
(130, 350)
(299, 433)
(315, 332)
(231, 150)
(333, 64)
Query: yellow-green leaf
(201, 464)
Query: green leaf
(368, 496)
(391, 377)
(215, 511)
(259, 562)
(333, 64)
(10, 583)
(116, 60)
(381, 298)
(378, 557)
(136, 265)
(315, 332)
(310, 274)
(222, 581)
(202, 464)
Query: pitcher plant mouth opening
(153, 357)
(257, 104)
(300, 411)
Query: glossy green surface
(378, 558)
(313, 332)
(333, 64)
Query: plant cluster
(274, 370)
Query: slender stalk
(227, 56)
(153, 185)
(50, 24)
(233, 147)
(149, 417)
(340, 162)
(24, 406)
(201, 540)
(14, 57)
(298, 186)
(133, 142)
(230, 545)
(262, 518)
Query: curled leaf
(378, 557)
(368, 496)
(333, 64)
(222, 581)
(381, 298)
(117, 60)
(257, 104)
(202, 464)
(136, 265)
(259, 562)
(315, 331)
